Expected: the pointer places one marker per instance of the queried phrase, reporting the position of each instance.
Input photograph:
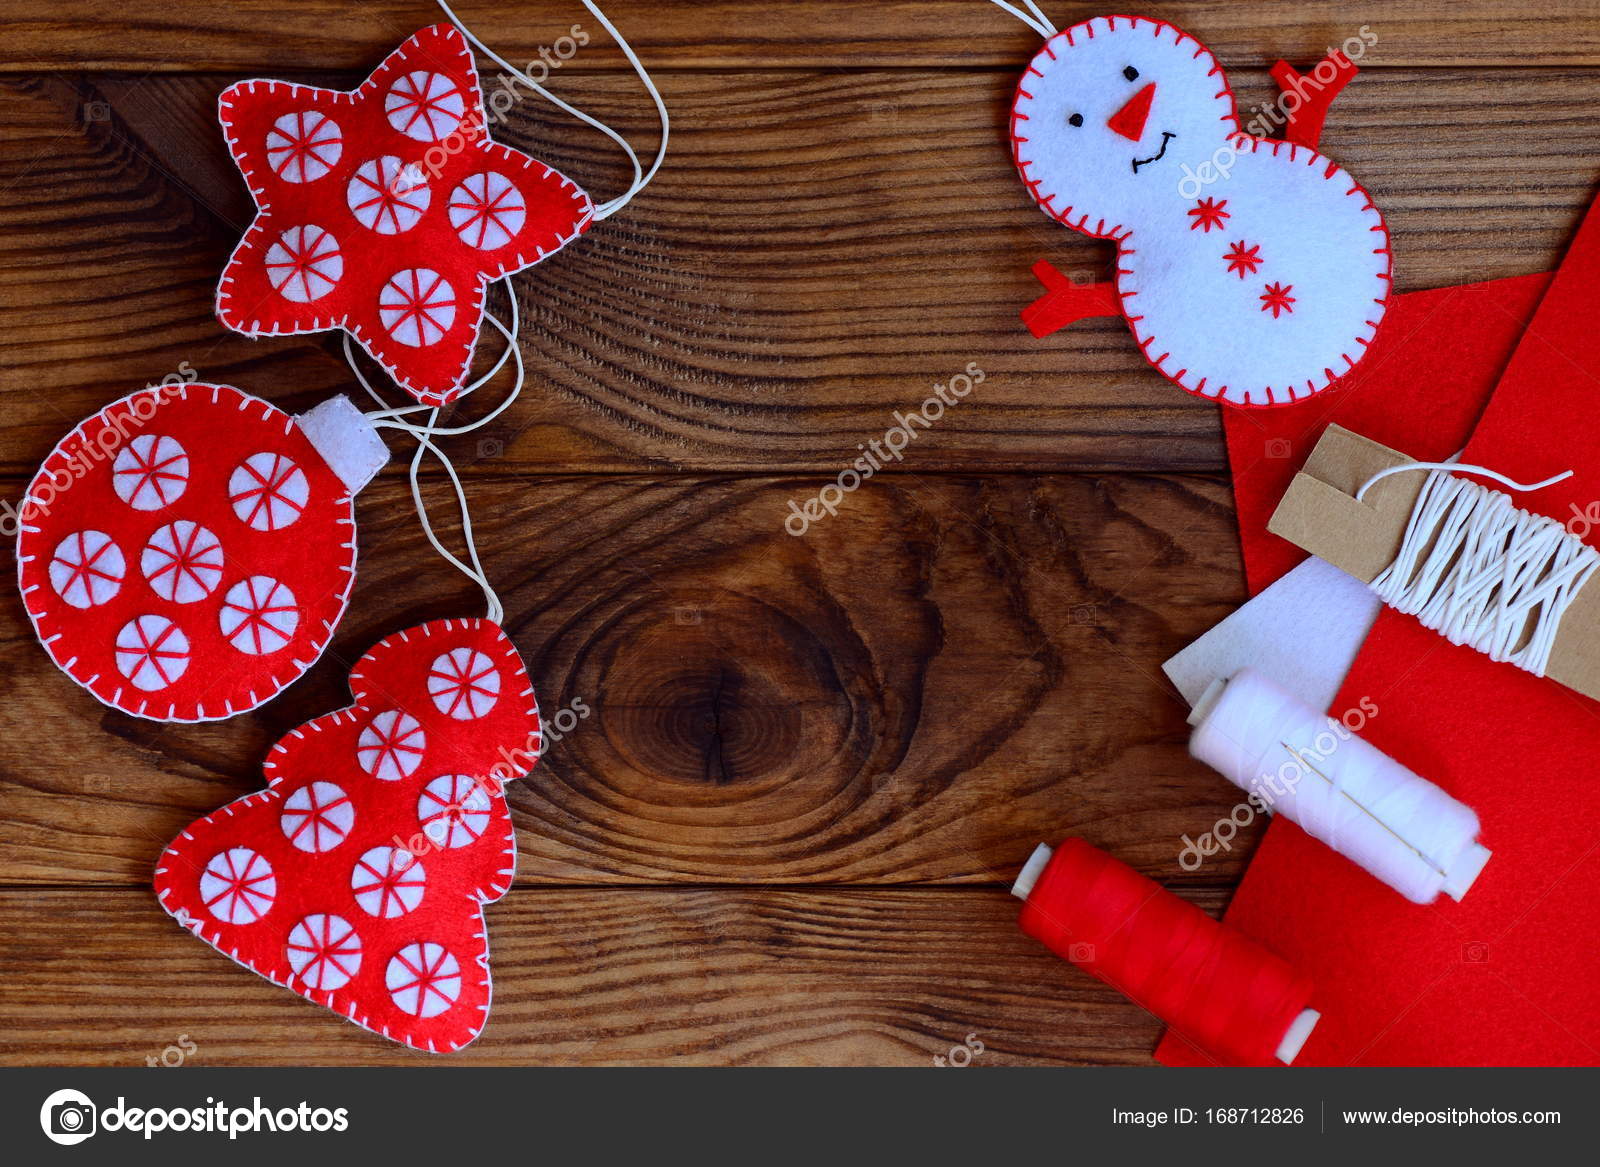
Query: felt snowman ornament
(357, 878)
(188, 551)
(1249, 270)
(386, 210)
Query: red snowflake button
(357, 878)
(386, 211)
(187, 552)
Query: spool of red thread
(1223, 992)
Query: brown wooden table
(814, 764)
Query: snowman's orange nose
(1130, 119)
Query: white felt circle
(392, 745)
(150, 472)
(388, 196)
(259, 615)
(304, 264)
(182, 562)
(324, 951)
(417, 306)
(453, 810)
(87, 569)
(425, 106)
(238, 886)
(317, 817)
(464, 684)
(303, 146)
(388, 882)
(268, 491)
(152, 652)
(423, 979)
(487, 210)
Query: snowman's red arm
(1315, 96)
(1065, 302)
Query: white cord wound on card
(1480, 571)
(1033, 18)
(1316, 771)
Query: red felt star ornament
(386, 211)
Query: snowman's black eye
(1075, 120)
(1131, 73)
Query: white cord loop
(641, 177)
(1033, 18)
(1482, 572)
(425, 432)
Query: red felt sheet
(1507, 976)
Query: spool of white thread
(1349, 794)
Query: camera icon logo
(68, 1117)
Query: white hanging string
(428, 430)
(1033, 18)
(641, 177)
(1482, 572)
(1339, 788)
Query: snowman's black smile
(1166, 136)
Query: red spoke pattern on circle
(417, 306)
(152, 652)
(388, 196)
(388, 881)
(391, 746)
(303, 146)
(425, 106)
(423, 979)
(150, 472)
(487, 210)
(324, 951)
(183, 562)
(238, 886)
(464, 684)
(268, 491)
(453, 810)
(318, 817)
(87, 568)
(259, 615)
(305, 264)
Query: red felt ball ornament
(188, 551)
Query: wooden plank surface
(162, 36)
(918, 690)
(813, 762)
(592, 977)
(810, 263)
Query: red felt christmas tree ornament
(188, 551)
(358, 877)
